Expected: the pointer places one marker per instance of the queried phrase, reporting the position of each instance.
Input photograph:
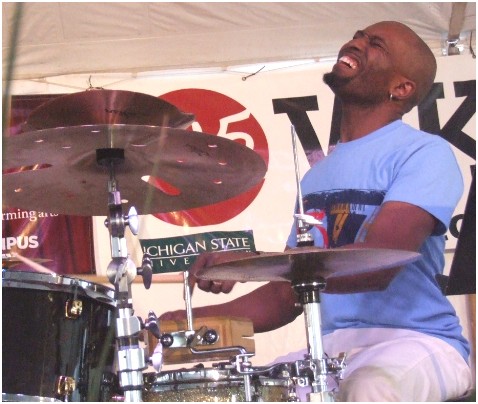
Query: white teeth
(349, 62)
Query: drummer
(404, 343)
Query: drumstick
(37, 267)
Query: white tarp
(56, 38)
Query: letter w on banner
(61, 243)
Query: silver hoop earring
(391, 97)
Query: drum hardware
(152, 325)
(304, 221)
(64, 387)
(121, 273)
(189, 338)
(316, 361)
(73, 308)
(281, 371)
(192, 338)
(244, 367)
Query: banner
(63, 244)
(176, 254)
(258, 111)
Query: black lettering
(455, 232)
(452, 131)
(296, 109)
(335, 126)
(428, 119)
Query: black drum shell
(40, 343)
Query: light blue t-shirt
(345, 191)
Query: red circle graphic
(210, 108)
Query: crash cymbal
(343, 270)
(99, 106)
(56, 170)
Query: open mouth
(349, 62)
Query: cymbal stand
(309, 298)
(121, 273)
(316, 362)
(304, 222)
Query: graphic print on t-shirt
(345, 215)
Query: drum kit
(72, 340)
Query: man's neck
(357, 122)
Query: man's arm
(268, 307)
(398, 225)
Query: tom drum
(58, 338)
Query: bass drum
(210, 385)
(58, 339)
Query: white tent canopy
(43, 39)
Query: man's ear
(403, 89)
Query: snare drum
(210, 385)
(58, 341)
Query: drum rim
(56, 282)
(24, 398)
(190, 380)
(191, 375)
(206, 375)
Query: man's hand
(205, 260)
(209, 259)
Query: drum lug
(73, 308)
(64, 387)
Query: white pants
(394, 365)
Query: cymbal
(343, 270)
(99, 106)
(56, 170)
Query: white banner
(258, 111)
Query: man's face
(365, 65)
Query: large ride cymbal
(56, 170)
(106, 107)
(342, 270)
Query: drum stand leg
(131, 358)
(121, 273)
(309, 297)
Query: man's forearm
(269, 307)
